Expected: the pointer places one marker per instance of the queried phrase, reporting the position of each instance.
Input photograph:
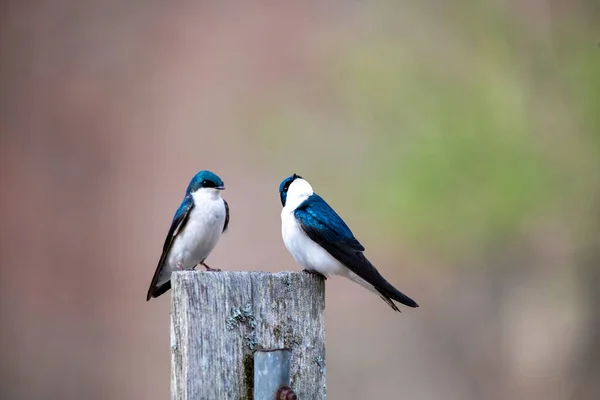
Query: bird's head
(205, 181)
(294, 189)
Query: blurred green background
(459, 140)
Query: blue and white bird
(196, 228)
(322, 243)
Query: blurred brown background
(459, 140)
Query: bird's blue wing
(178, 223)
(325, 227)
(226, 216)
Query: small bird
(322, 243)
(196, 228)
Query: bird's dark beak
(222, 187)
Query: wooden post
(218, 319)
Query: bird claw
(209, 269)
(309, 271)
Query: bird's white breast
(201, 232)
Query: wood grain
(219, 318)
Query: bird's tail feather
(387, 293)
(156, 291)
(397, 295)
(389, 302)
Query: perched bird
(196, 228)
(322, 243)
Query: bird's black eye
(208, 184)
(287, 186)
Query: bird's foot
(310, 271)
(180, 266)
(209, 269)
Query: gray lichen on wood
(219, 319)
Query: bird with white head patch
(195, 230)
(321, 242)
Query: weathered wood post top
(218, 319)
